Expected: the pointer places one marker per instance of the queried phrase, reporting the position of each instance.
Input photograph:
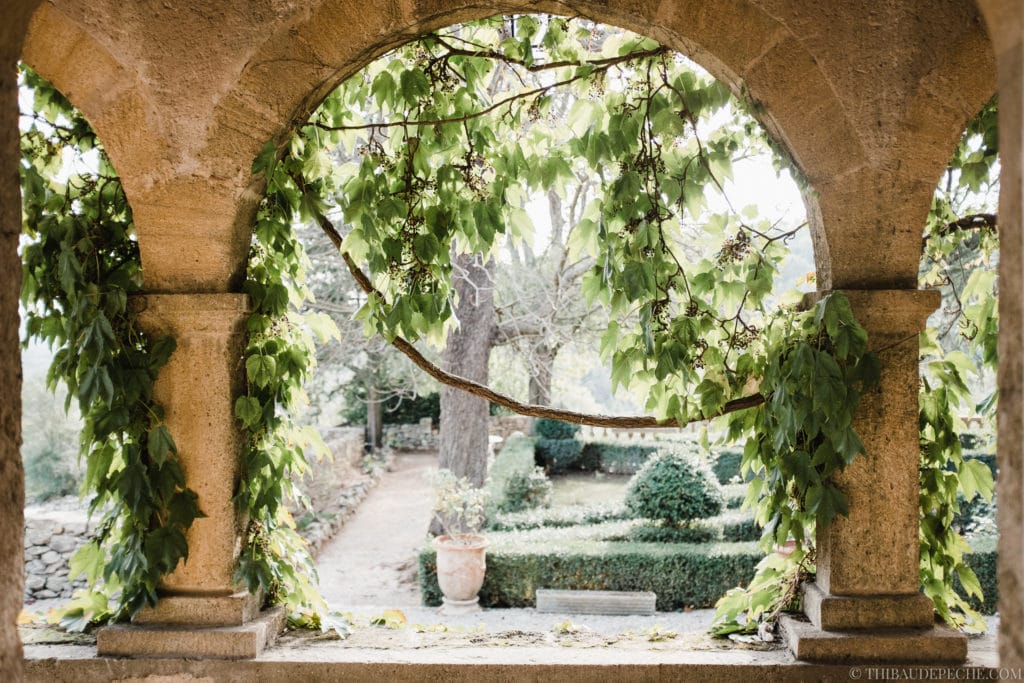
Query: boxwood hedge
(983, 562)
(682, 575)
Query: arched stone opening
(857, 226)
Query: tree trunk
(374, 418)
(464, 430)
(542, 365)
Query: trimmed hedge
(734, 495)
(554, 429)
(697, 532)
(615, 458)
(557, 455)
(727, 465)
(557, 517)
(682, 575)
(526, 491)
(674, 487)
(515, 457)
(744, 529)
(983, 562)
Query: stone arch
(851, 147)
(869, 116)
(737, 41)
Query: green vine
(81, 265)
(279, 357)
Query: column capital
(886, 310)
(190, 312)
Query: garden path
(371, 563)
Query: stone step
(595, 602)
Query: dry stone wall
(56, 529)
(52, 535)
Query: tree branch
(482, 391)
(974, 221)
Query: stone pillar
(197, 390)
(866, 603)
(12, 477)
(1005, 22)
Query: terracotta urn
(461, 564)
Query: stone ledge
(933, 645)
(837, 613)
(552, 664)
(216, 642)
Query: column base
(202, 610)
(839, 612)
(241, 641)
(935, 644)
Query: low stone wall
(335, 488)
(420, 436)
(423, 437)
(52, 536)
(56, 529)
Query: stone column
(12, 477)
(201, 611)
(197, 390)
(1005, 23)
(867, 582)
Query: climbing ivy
(960, 251)
(960, 247)
(279, 358)
(81, 266)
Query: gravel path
(371, 563)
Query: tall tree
(464, 433)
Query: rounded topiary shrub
(554, 429)
(674, 488)
(526, 490)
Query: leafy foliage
(81, 265)
(674, 488)
(50, 444)
(279, 357)
(960, 251)
(396, 410)
(458, 505)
